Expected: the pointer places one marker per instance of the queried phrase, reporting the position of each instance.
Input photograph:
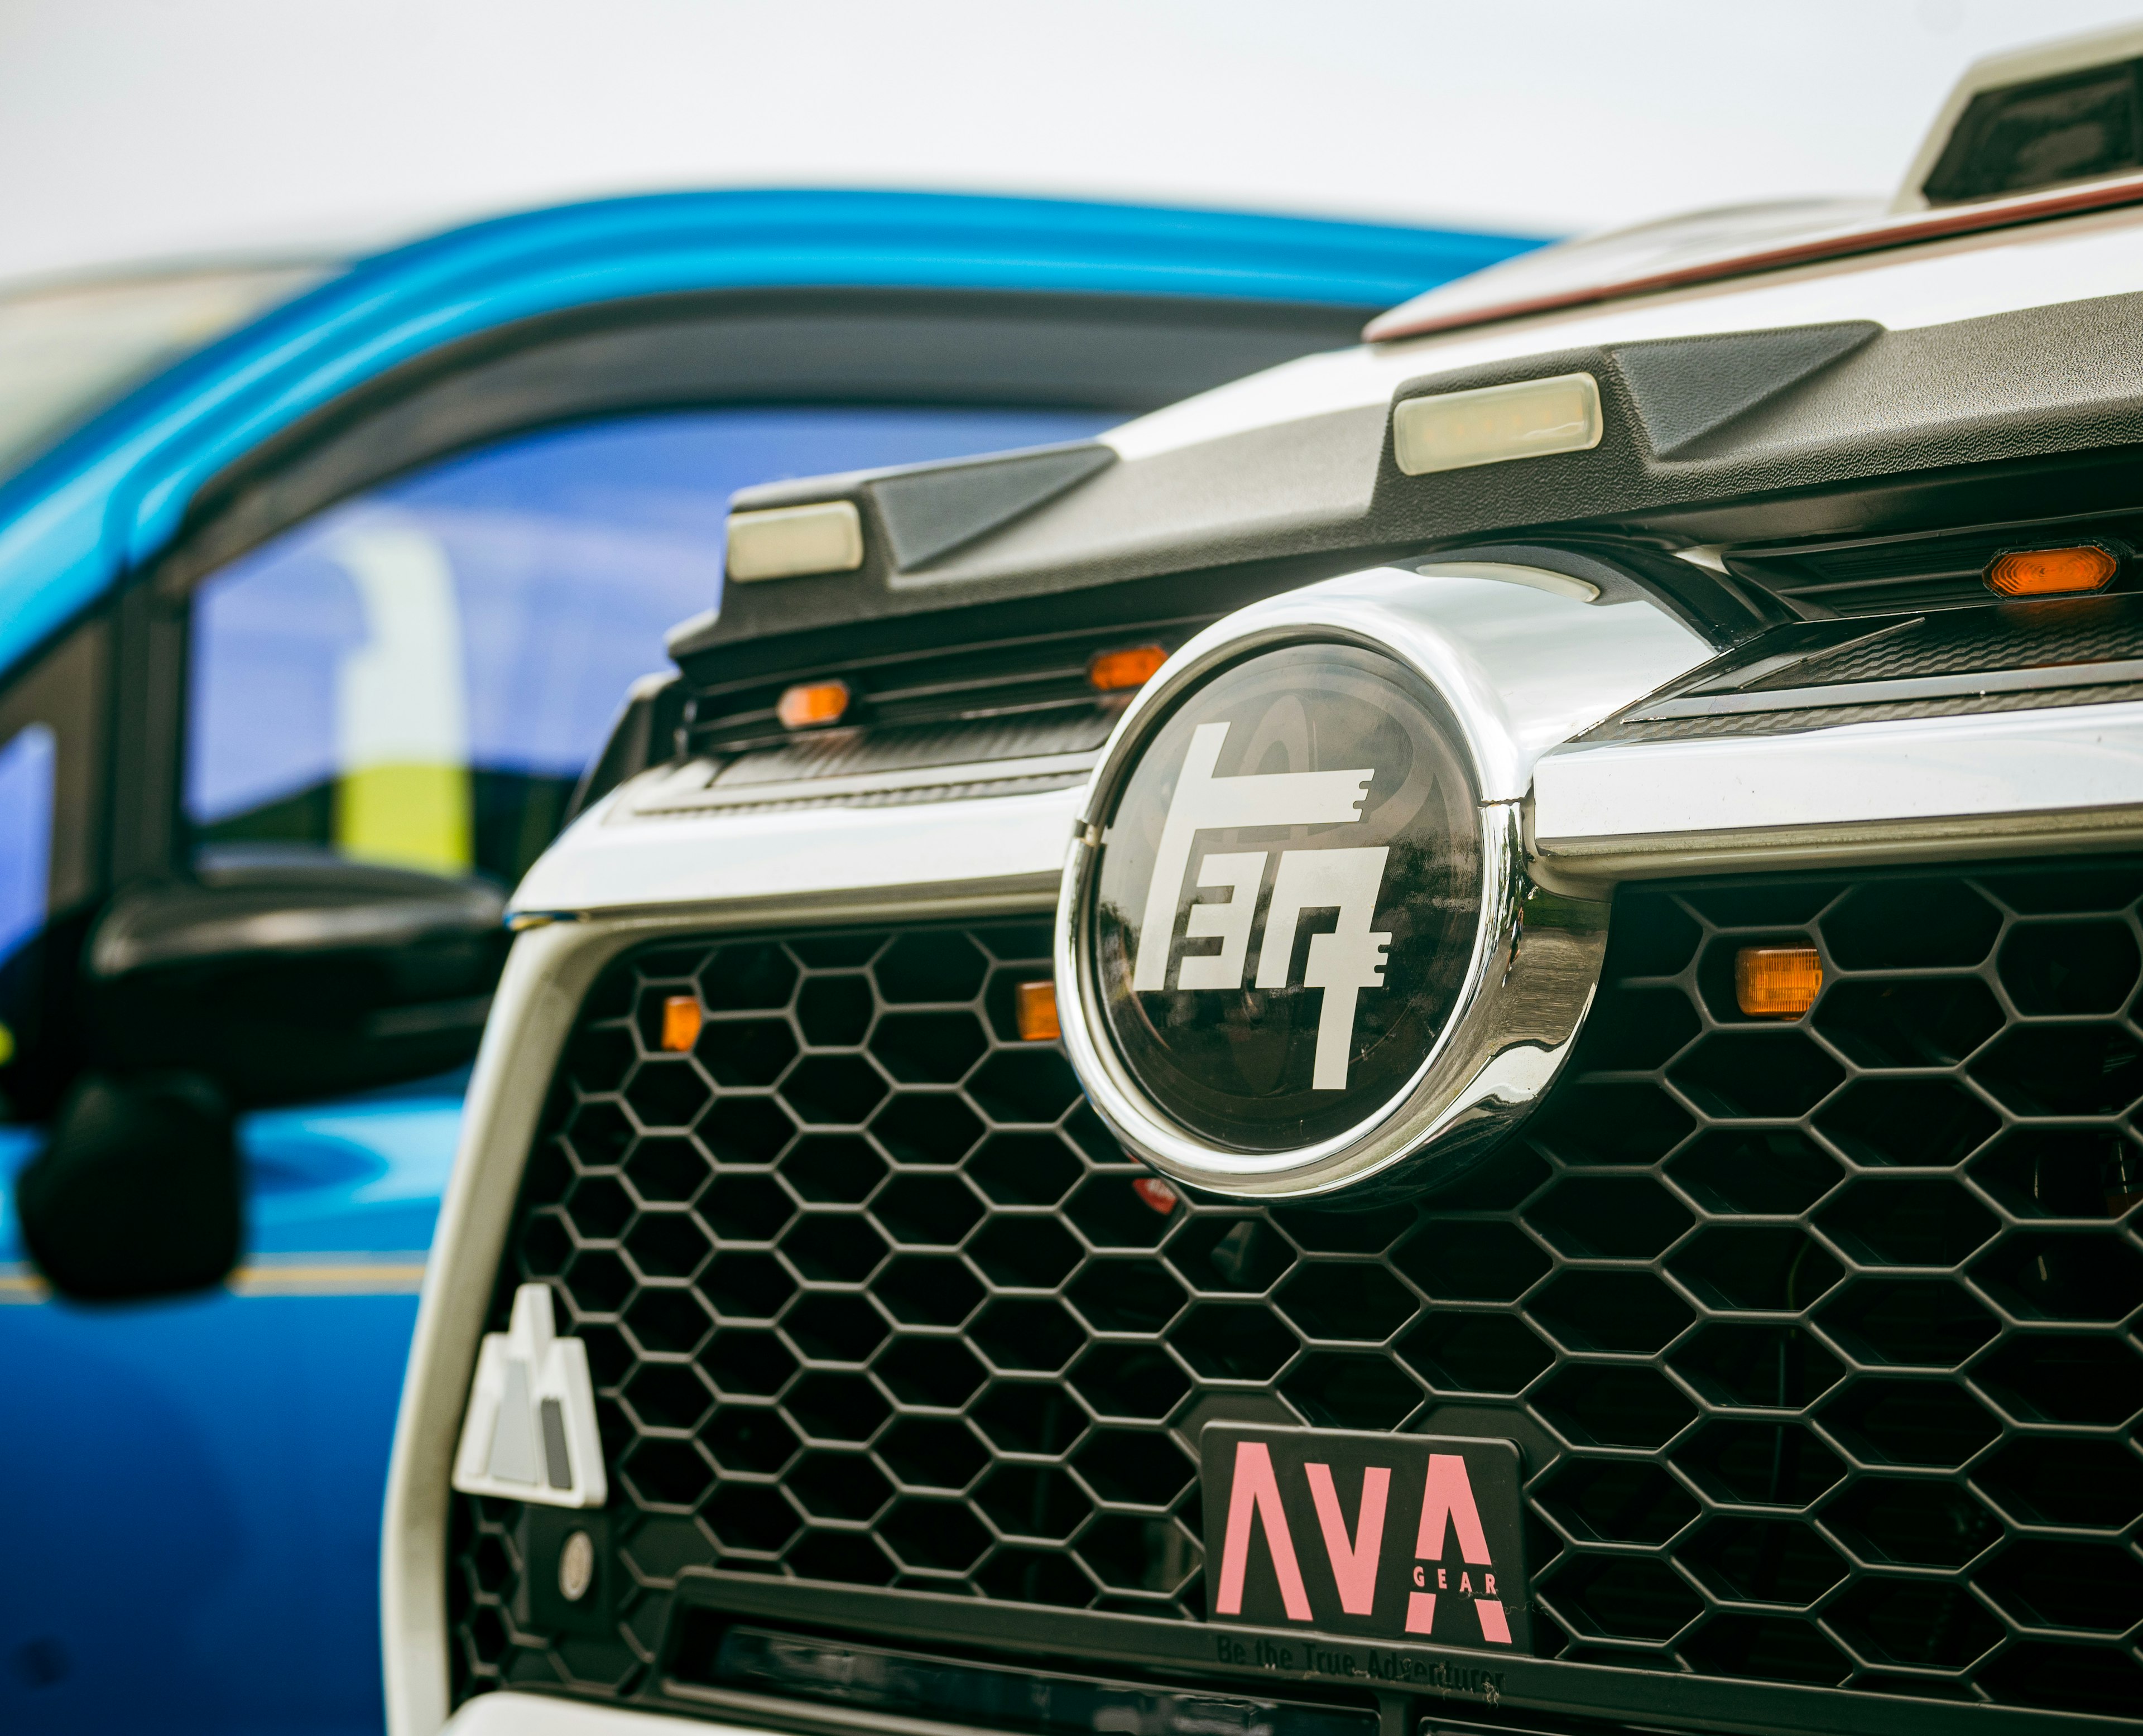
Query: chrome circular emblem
(1287, 896)
(577, 1567)
(1298, 950)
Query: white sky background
(145, 128)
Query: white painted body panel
(703, 859)
(2065, 758)
(539, 1715)
(1936, 283)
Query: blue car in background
(350, 563)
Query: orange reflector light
(813, 702)
(1120, 672)
(680, 1023)
(1154, 1192)
(2052, 572)
(1776, 983)
(1035, 1012)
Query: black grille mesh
(1818, 1337)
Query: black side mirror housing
(137, 1193)
(267, 976)
(285, 976)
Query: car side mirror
(136, 1193)
(264, 978)
(290, 975)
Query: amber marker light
(1776, 983)
(681, 1022)
(1034, 1010)
(1121, 671)
(2052, 572)
(1154, 1192)
(808, 704)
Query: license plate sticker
(1394, 1537)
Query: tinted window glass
(26, 763)
(419, 674)
(52, 716)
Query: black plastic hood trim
(1764, 426)
(1687, 387)
(923, 511)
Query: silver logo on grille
(1341, 963)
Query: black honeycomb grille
(1818, 1335)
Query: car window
(53, 717)
(27, 763)
(419, 674)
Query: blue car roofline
(112, 494)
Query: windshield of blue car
(67, 349)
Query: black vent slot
(1026, 680)
(712, 1654)
(2057, 651)
(1924, 570)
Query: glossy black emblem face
(1288, 894)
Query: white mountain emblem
(530, 1433)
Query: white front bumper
(540, 1714)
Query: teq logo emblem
(1257, 1039)
(1341, 963)
(1431, 1551)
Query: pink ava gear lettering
(1397, 1537)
